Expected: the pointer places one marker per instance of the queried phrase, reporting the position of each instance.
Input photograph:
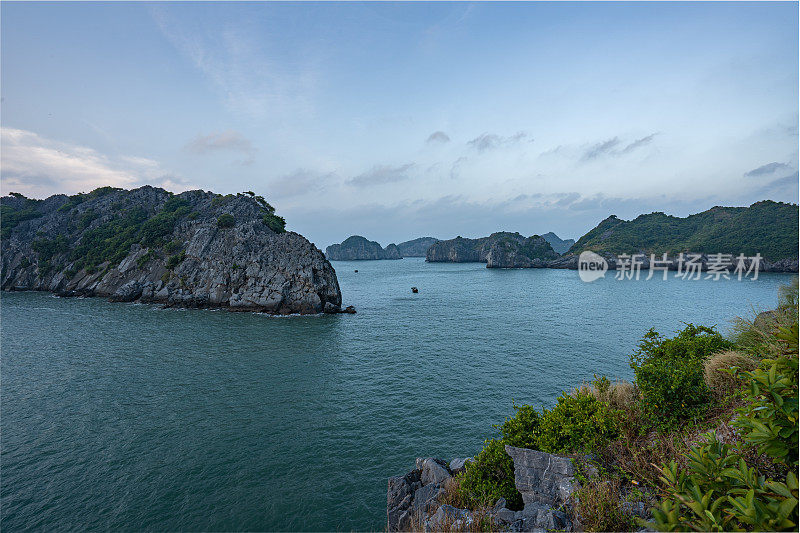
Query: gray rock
(426, 498)
(247, 267)
(506, 516)
(433, 472)
(500, 504)
(459, 464)
(542, 477)
(540, 516)
(449, 516)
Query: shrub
(274, 222)
(175, 260)
(620, 394)
(719, 492)
(579, 422)
(491, 477)
(521, 430)
(226, 221)
(770, 419)
(669, 372)
(720, 382)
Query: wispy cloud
(236, 60)
(228, 140)
(380, 174)
(611, 147)
(299, 183)
(492, 141)
(36, 166)
(769, 168)
(600, 149)
(438, 137)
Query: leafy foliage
(769, 228)
(11, 216)
(226, 221)
(721, 493)
(578, 422)
(491, 477)
(669, 372)
(770, 419)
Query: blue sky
(400, 120)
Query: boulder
(459, 464)
(449, 517)
(433, 471)
(542, 478)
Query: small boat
(414, 290)
(356, 270)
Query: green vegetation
(10, 217)
(175, 260)
(769, 228)
(668, 434)
(669, 372)
(226, 221)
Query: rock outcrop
(194, 249)
(358, 248)
(416, 247)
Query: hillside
(416, 247)
(767, 227)
(560, 246)
(358, 248)
(194, 249)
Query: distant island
(767, 228)
(416, 247)
(358, 248)
(499, 250)
(560, 246)
(194, 249)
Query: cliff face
(195, 249)
(357, 248)
(416, 247)
(512, 252)
(499, 250)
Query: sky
(400, 120)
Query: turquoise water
(129, 417)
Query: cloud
(238, 61)
(298, 183)
(644, 141)
(438, 137)
(380, 174)
(601, 148)
(36, 166)
(492, 141)
(769, 168)
(228, 140)
(609, 147)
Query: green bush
(719, 492)
(770, 418)
(49, 248)
(669, 372)
(175, 260)
(490, 477)
(521, 430)
(173, 246)
(579, 422)
(274, 222)
(226, 221)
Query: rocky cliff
(499, 250)
(194, 249)
(358, 248)
(416, 247)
